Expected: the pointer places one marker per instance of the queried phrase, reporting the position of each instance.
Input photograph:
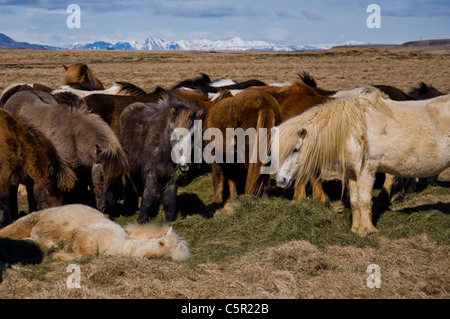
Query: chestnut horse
(294, 99)
(248, 109)
(80, 72)
(24, 148)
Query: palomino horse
(24, 148)
(80, 72)
(393, 186)
(145, 131)
(81, 137)
(84, 231)
(246, 110)
(365, 135)
(294, 99)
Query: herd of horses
(83, 144)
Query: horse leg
(232, 184)
(150, 199)
(385, 194)
(318, 193)
(83, 244)
(353, 190)
(299, 189)
(169, 201)
(13, 205)
(217, 178)
(5, 215)
(130, 196)
(365, 182)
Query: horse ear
(200, 114)
(65, 67)
(302, 132)
(168, 232)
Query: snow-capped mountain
(234, 44)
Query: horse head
(290, 156)
(183, 117)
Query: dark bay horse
(393, 92)
(248, 109)
(25, 149)
(145, 131)
(81, 137)
(424, 91)
(80, 72)
(110, 107)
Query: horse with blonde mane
(364, 135)
(80, 72)
(79, 230)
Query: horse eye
(161, 243)
(296, 150)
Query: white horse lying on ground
(364, 135)
(83, 231)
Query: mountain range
(155, 43)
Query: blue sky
(279, 21)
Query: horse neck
(129, 246)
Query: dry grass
(272, 248)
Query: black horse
(204, 84)
(145, 131)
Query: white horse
(83, 231)
(364, 135)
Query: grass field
(254, 248)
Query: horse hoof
(364, 231)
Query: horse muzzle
(184, 167)
(283, 182)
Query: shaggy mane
(130, 89)
(328, 128)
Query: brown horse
(110, 107)
(294, 99)
(80, 72)
(23, 148)
(247, 109)
(81, 137)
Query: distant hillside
(8, 43)
(439, 45)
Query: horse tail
(267, 118)
(22, 227)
